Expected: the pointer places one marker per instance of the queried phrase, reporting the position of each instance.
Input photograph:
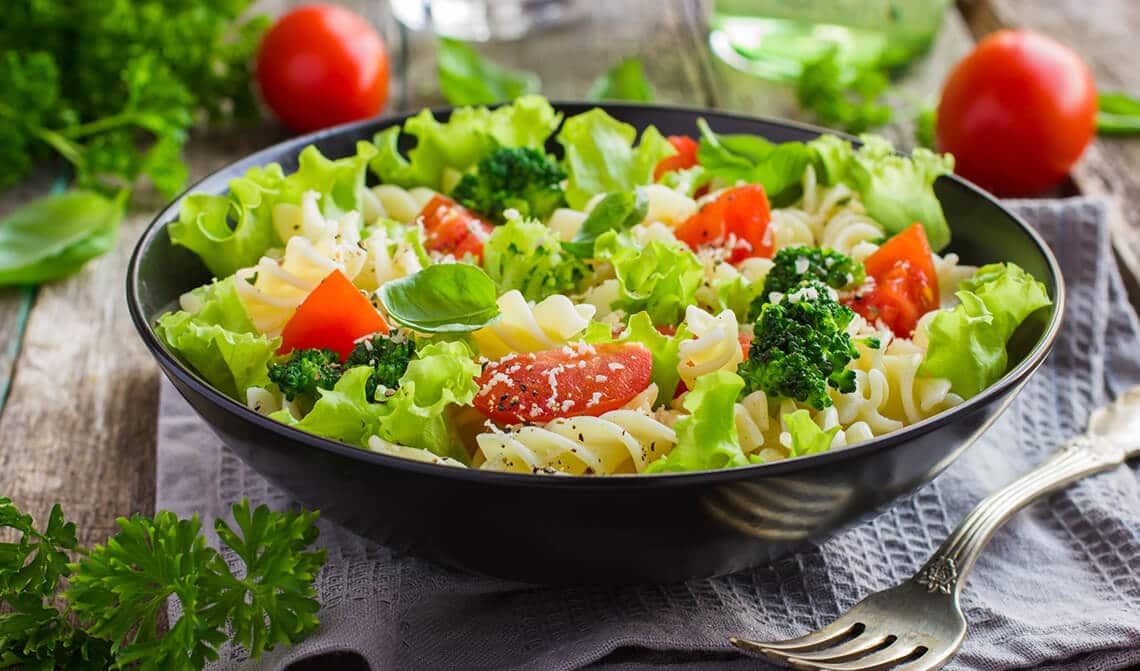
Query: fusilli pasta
(526, 327)
(715, 344)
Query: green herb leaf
(1117, 114)
(844, 97)
(624, 81)
(466, 78)
(614, 212)
(53, 237)
(443, 298)
(706, 437)
(924, 127)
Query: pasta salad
(634, 305)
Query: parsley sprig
(108, 615)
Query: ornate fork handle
(1080, 457)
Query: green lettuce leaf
(466, 78)
(967, 344)
(807, 437)
(779, 168)
(896, 190)
(442, 374)
(665, 351)
(218, 340)
(470, 134)
(658, 278)
(204, 222)
(341, 413)
(601, 157)
(706, 437)
(528, 256)
(614, 212)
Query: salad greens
(614, 212)
(107, 615)
(754, 160)
(968, 343)
(665, 350)
(443, 298)
(844, 96)
(601, 156)
(706, 436)
(469, 135)
(807, 437)
(624, 81)
(218, 339)
(658, 278)
(526, 255)
(1117, 114)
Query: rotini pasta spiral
(619, 441)
(524, 327)
(271, 290)
(395, 202)
(715, 344)
(566, 223)
(387, 260)
(825, 216)
(667, 206)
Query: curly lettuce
(469, 134)
(967, 344)
(218, 339)
(706, 437)
(659, 278)
(234, 231)
(778, 167)
(664, 348)
(897, 190)
(442, 374)
(528, 256)
(601, 156)
(807, 437)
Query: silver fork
(918, 625)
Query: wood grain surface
(78, 393)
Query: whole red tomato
(321, 65)
(1017, 113)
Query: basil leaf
(444, 298)
(466, 78)
(624, 81)
(614, 212)
(1117, 114)
(53, 237)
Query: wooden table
(78, 392)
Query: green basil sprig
(445, 298)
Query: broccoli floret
(305, 371)
(521, 178)
(800, 347)
(793, 265)
(387, 355)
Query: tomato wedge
(333, 316)
(572, 381)
(903, 285)
(737, 219)
(453, 229)
(686, 156)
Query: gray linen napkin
(1058, 588)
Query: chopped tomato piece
(902, 284)
(572, 381)
(737, 219)
(453, 229)
(333, 316)
(686, 156)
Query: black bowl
(555, 529)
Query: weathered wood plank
(79, 425)
(1104, 34)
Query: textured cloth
(1057, 588)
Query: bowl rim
(174, 368)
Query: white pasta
(667, 206)
(602, 297)
(271, 290)
(387, 260)
(950, 275)
(825, 217)
(655, 231)
(619, 441)
(267, 401)
(791, 227)
(395, 202)
(526, 327)
(378, 444)
(566, 223)
(715, 344)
